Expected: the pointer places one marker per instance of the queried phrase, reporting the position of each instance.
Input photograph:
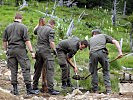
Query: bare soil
(5, 88)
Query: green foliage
(130, 18)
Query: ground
(5, 88)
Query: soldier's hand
(120, 55)
(33, 55)
(75, 69)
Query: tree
(130, 19)
(1, 2)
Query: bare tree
(131, 37)
(114, 13)
(124, 10)
(1, 2)
(53, 10)
(60, 3)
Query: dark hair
(51, 21)
(96, 31)
(18, 16)
(41, 21)
(85, 42)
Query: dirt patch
(7, 96)
(5, 88)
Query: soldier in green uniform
(45, 46)
(15, 39)
(98, 53)
(66, 49)
(38, 26)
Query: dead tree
(23, 5)
(70, 28)
(124, 10)
(53, 10)
(114, 13)
(60, 3)
(131, 37)
(1, 2)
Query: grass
(94, 18)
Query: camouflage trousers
(44, 59)
(101, 57)
(19, 56)
(64, 65)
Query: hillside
(93, 18)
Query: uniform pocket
(91, 69)
(106, 66)
(50, 63)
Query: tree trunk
(114, 13)
(131, 37)
(1, 2)
(44, 80)
(124, 10)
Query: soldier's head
(42, 21)
(83, 44)
(51, 23)
(95, 32)
(18, 17)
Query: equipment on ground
(78, 77)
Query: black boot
(64, 85)
(53, 92)
(35, 87)
(15, 89)
(69, 84)
(30, 90)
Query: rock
(8, 73)
(87, 93)
(77, 92)
(37, 98)
(52, 98)
(126, 88)
(115, 99)
(68, 97)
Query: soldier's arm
(51, 39)
(52, 45)
(28, 44)
(72, 64)
(5, 45)
(35, 29)
(118, 47)
(5, 38)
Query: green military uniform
(43, 56)
(16, 36)
(66, 49)
(98, 53)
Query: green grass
(96, 18)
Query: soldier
(15, 39)
(66, 49)
(98, 53)
(40, 25)
(43, 56)
(44, 83)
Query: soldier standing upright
(99, 53)
(66, 49)
(45, 45)
(15, 39)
